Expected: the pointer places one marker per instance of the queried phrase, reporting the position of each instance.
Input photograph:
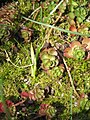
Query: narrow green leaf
(57, 28)
(33, 59)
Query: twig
(69, 74)
(34, 18)
(34, 11)
(56, 7)
(38, 116)
(52, 28)
(37, 11)
(56, 19)
(71, 81)
(54, 24)
(19, 103)
(8, 59)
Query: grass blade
(33, 59)
(57, 28)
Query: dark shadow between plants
(83, 115)
(59, 110)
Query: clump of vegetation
(45, 60)
(51, 61)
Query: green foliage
(1, 88)
(24, 6)
(49, 58)
(56, 72)
(78, 10)
(10, 80)
(51, 84)
(51, 111)
(80, 13)
(3, 33)
(71, 15)
(33, 59)
(80, 75)
(78, 53)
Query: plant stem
(71, 81)
(35, 11)
(8, 59)
(34, 18)
(56, 7)
(71, 104)
(21, 102)
(52, 28)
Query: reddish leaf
(86, 41)
(32, 95)
(24, 94)
(1, 108)
(73, 29)
(43, 109)
(44, 106)
(9, 103)
(75, 44)
(68, 52)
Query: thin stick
(56, 7)
(34, 18)
(52, 28)
(69, 74)
(34, 11)
(71, 104)
(21, 102)
(8, 59)
(37, 11)
(71, 81)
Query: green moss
(52, 87)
